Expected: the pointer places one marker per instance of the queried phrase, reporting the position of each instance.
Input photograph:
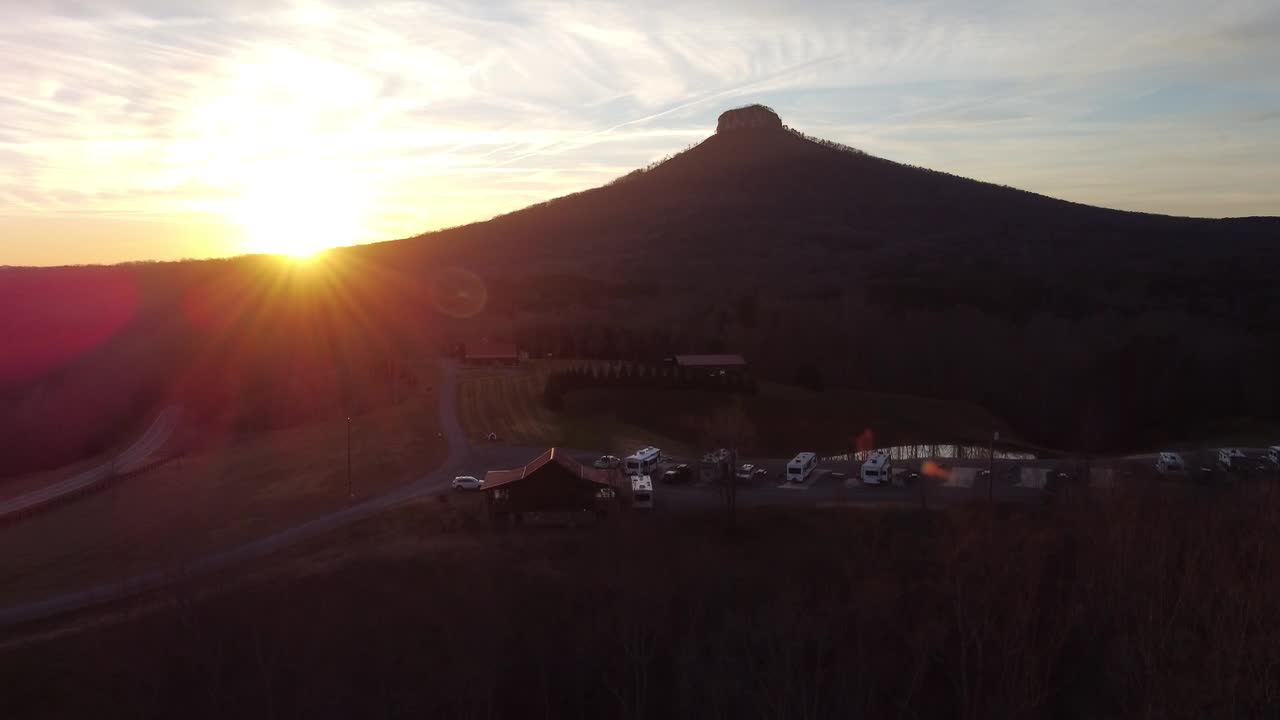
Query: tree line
(661, 376)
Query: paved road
(133, 458)
(433, 482)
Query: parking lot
(915, 481)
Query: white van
(1273, 454)
(642, 492)
(1230, 458)
(878, 468)
(801, 467)
(1169, 462)
(644, 462)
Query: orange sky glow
(134, 129)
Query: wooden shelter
(551, 483)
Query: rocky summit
(751, 117)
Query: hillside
(1085, 327)
(758, 188)
(1133, 606)
(1082, 327)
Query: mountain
(1084, 327)
(744, 176)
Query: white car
(607, 462)
(467, 482)
(746, 471)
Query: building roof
(486, 350)
(710, 361)
(498, 478)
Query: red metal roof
(487, 350)
(497, 478)
(711, 361)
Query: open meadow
(226, 489)
(776, 421)
(508, 402)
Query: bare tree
(729, 427)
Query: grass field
(779, 420)
(232, 490)
(509, 403)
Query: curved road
(432, 482)
(131, 459)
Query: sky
(166, 129)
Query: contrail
(585, 140)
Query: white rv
(1230, 458)
(801, 467)
(1169, 462)
(644, 462)
(642, 492)
(878, 468)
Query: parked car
(678, 474)
(607, 462)
(467, 482)
(762, 472)
(1170, 462)
(746, 471)
(1232, 459)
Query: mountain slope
(1082, 327)
(1077, 320)
(780, 179)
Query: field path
(459, 451)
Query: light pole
(350, 489)
(733, 489)
(991, 467)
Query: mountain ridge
(782, 166)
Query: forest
(1137, 605)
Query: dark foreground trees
(1151, 608)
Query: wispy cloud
(428, 114)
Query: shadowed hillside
(1143, 606)
(1082, 327)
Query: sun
(283, 144)
(299, 211)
